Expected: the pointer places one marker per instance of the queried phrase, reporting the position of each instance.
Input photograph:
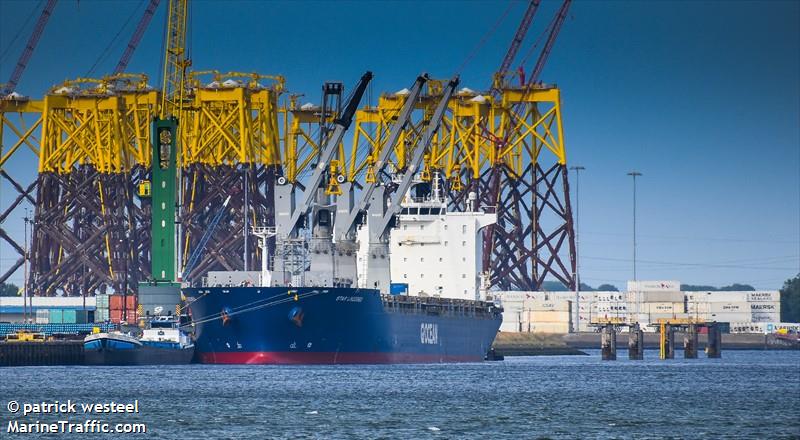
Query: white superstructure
(436, 252)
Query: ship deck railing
(438, 306)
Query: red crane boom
(33, 40)
(524, 25)
(555, 28)
(137, 36)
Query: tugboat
(162, 343)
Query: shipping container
(611, 296)
(655, 297)
(68, 316)
(101, 315)
(764, 296)
(102, 301)
(765, 307)
(660, 307)
(539, 316)
(536, 305)
(56, 316)
(654, 286)
(715, 297)
(42, 316)
(549, 327)
(116, 317)
(510, 327)
(115, 302)
(730, 317)
(766, 317)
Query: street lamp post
(578, 170)
(634, 174)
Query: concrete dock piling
(714, 346)
(635, 343)
(608, 343)
(690, 342)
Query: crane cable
(114, 41)
(484, 39)
(21, 29)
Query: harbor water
(746, 394)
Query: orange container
(115, 316)
(115, 302)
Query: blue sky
(703, 98)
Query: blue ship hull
(279, 325)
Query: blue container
(398, 288)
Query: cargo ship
(328, 296)
(271, 325)
(438, 314)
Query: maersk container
(730, 317)
(398, 288)
(765, 307)
(766, 317)
(764, 296)
(716, 297)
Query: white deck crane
(381, 216)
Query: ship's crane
(561, 15)
(33, 40)
(516, 42)
(405, 183)
(198, 251)
(341, 124)
(137, 36)
(346, 219)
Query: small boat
(163, 343)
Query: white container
(766, 317)
(549, 327)
(655, 296)
(765, 307)
(747, 327)
(716, 296)
(661, 307)
(764, 296)
(509, 327)
(611, 296)
(730, 317)
(554, 317)
(536, 305)
(654, 286)
(731, 307)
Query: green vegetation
(8, 289)
(790, 300)
(607, 288)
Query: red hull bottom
(296, 358)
